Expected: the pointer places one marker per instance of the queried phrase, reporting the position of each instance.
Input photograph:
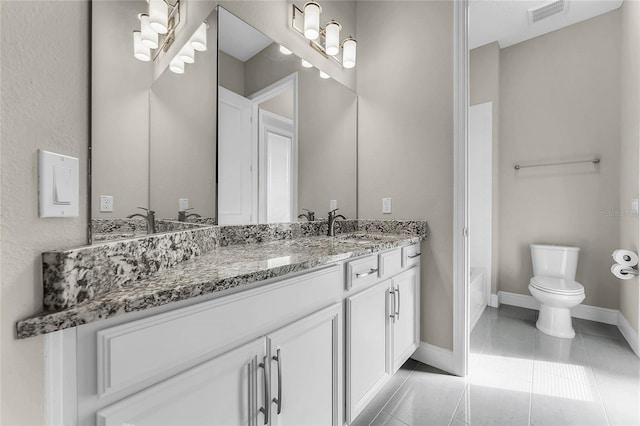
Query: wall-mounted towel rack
(594, 161)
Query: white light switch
(183, 204)
(386, 205)
(58, 190)
(333, 204)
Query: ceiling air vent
(543, 12)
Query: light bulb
(349, 53)
(306, 64)
(312, 20)
(324, 75)
(187, 54)
(159, 16)
(332, 38)
(176, 66)
(140, 51)
(285, 51)
(149, 37)
(199, 38)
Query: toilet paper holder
(630, 271)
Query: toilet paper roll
(616, 269)
(625, 257)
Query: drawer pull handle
(392, 293)
(371, 271)
(414, 256)
(397, 290)
(265, 410)
(278, 400)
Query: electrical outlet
(386, 205)
(333, 204)
(183, 204)
(106, 203)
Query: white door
(228, 390)
(367, 339)
(305, 374)
(236, 158)
(406, 338)
(278, 173)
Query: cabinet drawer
(145, 351)
(390, 263)
(410, 255)
(361, 272)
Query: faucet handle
(149, 211)
(186, 210)
(334, 210)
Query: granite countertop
(217, 270)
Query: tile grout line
(455, 410)
(595, 378)
(533, 374)
(394, 394)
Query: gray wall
(405, 136)
(484, 86)
(182, 160)
(231, 73)
(629, 140)
(45, 105)
(120, 110)
(560, 100)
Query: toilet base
(555, 322)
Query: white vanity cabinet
(383, 327)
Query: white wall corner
(434, 356)
(494, 302)
(629, 333)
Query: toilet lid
(556, 285)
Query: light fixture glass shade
(199, 38)
(140, 51)
(187, 54)
(332, 38)
(349, 53)
(324, 75)
(149, 37)
(159, 16)
(306, 64)
(285, 51)
(176, 66)
(312, 20)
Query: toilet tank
(554, 261)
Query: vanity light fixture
(306, 64)
(187, 54)
(157, 28)
(326, 40)
(324, 75)
(199, 38)
(285, 51)
(140, 51)
(177, 65)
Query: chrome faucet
(150, 217)
(183, 216)
(309, 215)
(332, 221)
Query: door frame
(461, 308)
(271, 91)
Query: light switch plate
(386, 205)
(634, 206)
(183, 204)
(58, 180)
(333, 204)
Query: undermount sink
(358, 238)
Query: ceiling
(507, 21)
(239, 39)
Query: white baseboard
(588, 312)
(435, 356)
(629, 333)
(494, 301)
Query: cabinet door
(406, 328)
(367, 336)
(222, 391)
(306, 370)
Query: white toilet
(554, 286)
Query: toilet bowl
(554, 286)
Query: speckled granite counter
(219, 269)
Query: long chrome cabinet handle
(392, 293)
(371, 271)
(397, 290)
(265, 410)
(278, 400)
(414, 256)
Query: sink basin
(358, 238)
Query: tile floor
(519, 376)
